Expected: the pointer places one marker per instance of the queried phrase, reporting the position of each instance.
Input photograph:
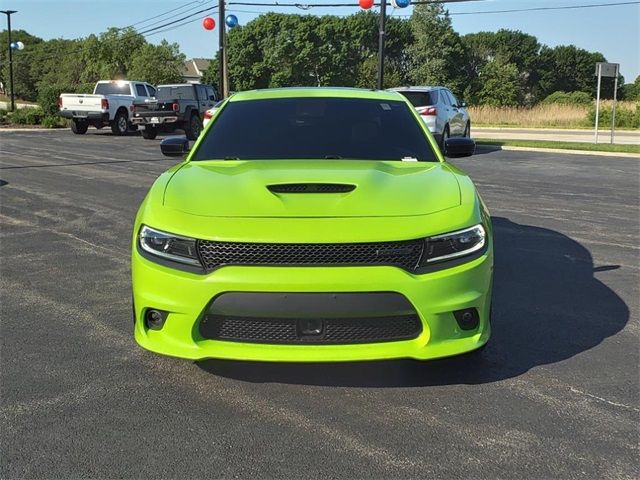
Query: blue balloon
(231, 21)
(403, 3)
(13, 45)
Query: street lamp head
(8, 12)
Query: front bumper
(434, 297)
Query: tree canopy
(507, 67)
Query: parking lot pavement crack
(604, 400)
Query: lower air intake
(325, 331)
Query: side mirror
(212, 97)
(174, 146)
(459, 147)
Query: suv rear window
(421, 99)
(113, 88)
(315, 128)
(175, 93)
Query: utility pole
(222, 52)
(381, 37)
(8, 14)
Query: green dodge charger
(313, 225)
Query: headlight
(454, 244)
(169, 246)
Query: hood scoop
(311, 188)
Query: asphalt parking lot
(554, 395)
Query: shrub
(52, 121)
(48, 94)
(27, 116)
(572, 98)
(626, 117)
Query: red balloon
(365, 4)
(209, 23)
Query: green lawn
(591, 147)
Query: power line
(205, 10)
(187, 22)
(161, 15)
(538, 9)
(307, 6)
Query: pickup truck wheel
(120, 124)
(192, 129)
(79, 127)
(149, 132)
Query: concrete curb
(39, 130)
(560, 150)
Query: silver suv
(444, 115)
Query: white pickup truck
(110, 104)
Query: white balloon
(20, 46)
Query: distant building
(194, 69)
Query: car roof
(310, 92)
(416, 89)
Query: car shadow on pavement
(547, 307)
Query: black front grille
(287, 331)
(404, 254)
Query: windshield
(316, 128)
(113, 88)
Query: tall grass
(544, 115)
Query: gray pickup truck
(175, 106)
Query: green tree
(504, 46)
(24, 82)
(567, 68)
(437, 54)
(631, 91)
(110, 54)
(277, 50)
(157, 64)
(500, 84)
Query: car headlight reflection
(453, 245)
(169, 246)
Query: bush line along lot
(553, 396)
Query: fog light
(155, 319)
(467, 319)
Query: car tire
(120, 125)
(193, 128)
(443, 138)
(79, 127)
(149, 132)
(467, 130)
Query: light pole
(222, 52)
(8, 14)
(381, 35)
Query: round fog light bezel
(154, 319)
(467, 318)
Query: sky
(613, 30)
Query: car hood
(280, 188)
